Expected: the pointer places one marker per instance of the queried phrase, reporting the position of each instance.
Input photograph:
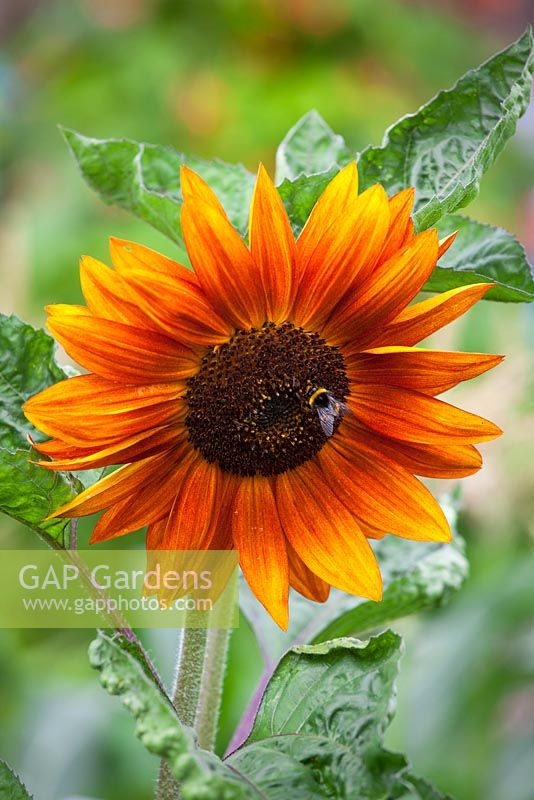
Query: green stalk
(197, 692)
(188, 681)
(211, 688)
(185, 696)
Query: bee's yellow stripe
(316, 394)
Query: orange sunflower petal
(132, 448)
(106, 294)
(68, 410)
(160, 535)
(120, 352)
(168, 294)
(382, 493)
(344, 255)
(324, 534)
(260, 540)
(119, 485)
(401, 229)
(177, 307)
(194, 188)
(445, 243)
(221, 260)
(56, 448)
(427, 371)
(427, 460)
(414, 417)
(389, 289)
(272, 245)
(339, 194)
(303, 579)
(155, 535)
(192, 522)
(151, 503)
(416, 322)
(370, 531)
(126, 255)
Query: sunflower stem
(197, 692)
(211, 688)
(188, 680)
(185, 696)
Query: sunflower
(272, 399)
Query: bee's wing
(327, 418)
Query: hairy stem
(209, 706)
(188, 680)
(185, 696)
(197, 692)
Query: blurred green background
(227, 78)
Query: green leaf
(29, 494)
(481, 253)
(145, 179)
(416, 576)
(311, 146)
(445, 147)
(310, 678)
(27, 366)
(11, 788)
(326, 710)
(318, 733)
(200, 774)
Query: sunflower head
(272, 399)
(253, 405)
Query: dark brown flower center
(266, 401)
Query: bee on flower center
(253, 407)
(329, 409)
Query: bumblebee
(329, 409)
